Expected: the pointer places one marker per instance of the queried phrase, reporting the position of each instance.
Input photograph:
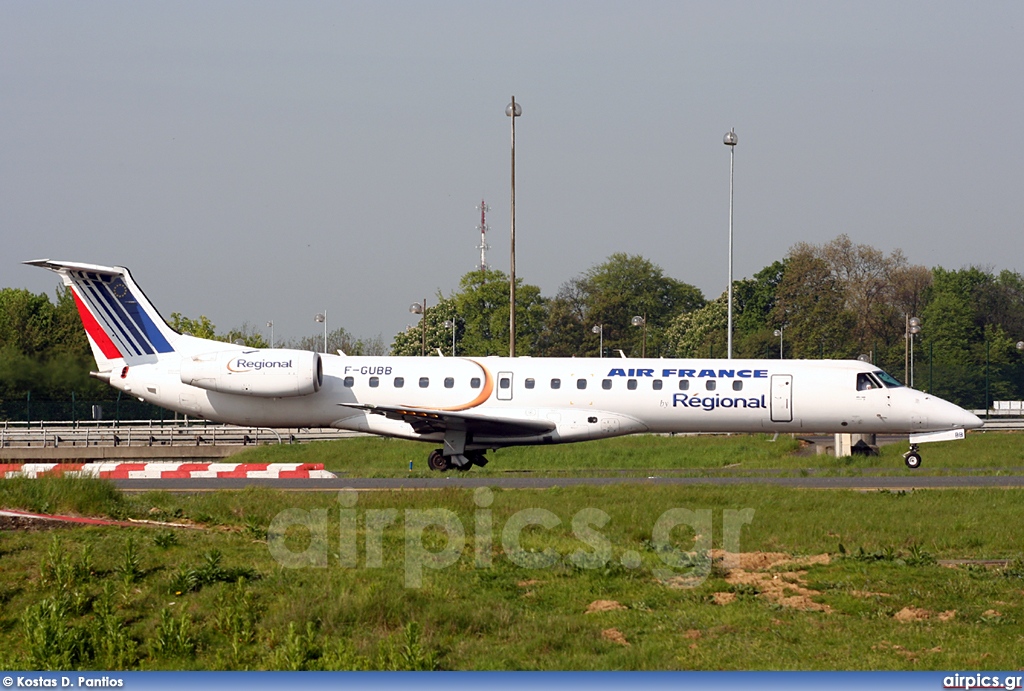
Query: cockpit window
(890, 381)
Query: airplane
(470, 405)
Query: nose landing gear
(912, 458)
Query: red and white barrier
(133, 471)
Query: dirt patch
(868, 593)
(692, 634)
(28, 523)
(751, 571)
(903, 652)
(527, 584)
(764, 561)
(911, 614)
(615, 636)
(604, 606)
(787, 588)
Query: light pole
(913, 327)
(322, 318)
(730, 141)
(1020, 349)
(513, 110)
(599, 329)
(641, 321)
(421, 309)
(450, 324)
(778, 332)
(271, 325)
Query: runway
(863, 482)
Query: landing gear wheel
(912, 458)
(437, 461)
(464, 468)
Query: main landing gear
(462, 462)
(912, 458)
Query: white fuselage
(584, 398)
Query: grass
(113, 598)
(989, 452)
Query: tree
(700, 333)
(26, 320)
(965, 337)
(625, 286)
(482, 303)
(754, 320)
(438, 336)
(248, 335)
(811, 305)
(200, 328)
(565, 334)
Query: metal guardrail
(201, 433)
(1009, 419)
(154, 433)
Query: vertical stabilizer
(118, 318)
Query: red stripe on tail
(95, 331)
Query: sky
(256, 161)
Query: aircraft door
(782, 398)
(504, 386)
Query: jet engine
(270, 372)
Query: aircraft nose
(960, 418)
(970, 420)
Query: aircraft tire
(913, 460)
(437, 461)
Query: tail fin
(118, 318)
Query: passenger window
(631, 384)
(737, 386)
(399, 382)
(556, 383)
(606, 384)
(656, 385)
(530, 383)
(474, 383)
(581, 383)
(349, 381)
(710, 384)
(374, 382)
(424, 382)
(449, 382)
(684, 384)
(504, 383)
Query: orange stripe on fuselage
(95, 331)
(484, 394)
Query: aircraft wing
(427, 421)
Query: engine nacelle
(269, 372)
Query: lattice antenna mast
(483, 246)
